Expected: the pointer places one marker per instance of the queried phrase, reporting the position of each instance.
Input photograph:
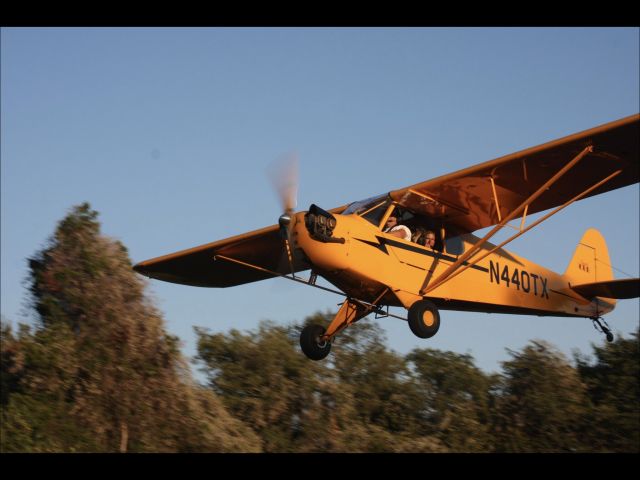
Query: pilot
(393, 228)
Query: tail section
(590, 275)
(590, 262)
(589, 271)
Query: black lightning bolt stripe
(381, 245)
(383, 242)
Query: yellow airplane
(375, 266)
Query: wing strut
(537, 222)
(351, 310)
(310, 282)
(495, 198)
(476, 247)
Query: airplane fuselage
(368, 261)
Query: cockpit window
(372, 209)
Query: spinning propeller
(284, 177)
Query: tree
(266, 383)
(455, 399)
(386, 396)
(35, 413)
(541, 403)
(613, 386)
(100, 372)
(357, 400)
(11, 358)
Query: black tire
(310, 342)
(424, 319)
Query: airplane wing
(620, 289)
(466, 198)
(197, 266)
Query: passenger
(430, 239)
(424, 237)
(393, 228)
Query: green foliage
(454, 405)
(613, 386)
(99, 372)
(360, 403)
(542, 404)
(384, 392)
(365, 398)
(11, 357)
(267, 384)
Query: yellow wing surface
(471, 199)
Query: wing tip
(140, 268)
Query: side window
(455, 245)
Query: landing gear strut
(604, 329)
(315, 340)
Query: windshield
(371, 209)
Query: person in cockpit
(425, 237)
(392, 227)
(430, 239)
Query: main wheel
(609, 335)
(312, 345)
(424, 319)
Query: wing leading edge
(466, 198)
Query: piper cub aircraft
(374, 269)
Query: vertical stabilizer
(590, 262)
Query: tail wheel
(424, 319)
(313, 346)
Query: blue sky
(168, 132)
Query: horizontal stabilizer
(620, 289)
